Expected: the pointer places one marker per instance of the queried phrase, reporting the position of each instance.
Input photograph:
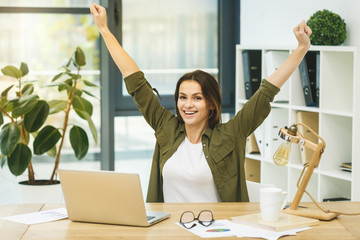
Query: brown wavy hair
(210, 90)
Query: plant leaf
(23, 105)
(91, 125)
(9, 136)
(79, 142)
(19, 159)
(68, 82)
(28, 89)
(3, 160)
(90, 84)
(79, 57)
(46, 139)
(90, 94)
(34, 119)
(57, 76)
(82, 105)
(11, 71)
(66, 63)
(73, 75)
(1, 119)
(57, 106)
(5, 92)
(8, 107)
(52, 152)
(24, 69)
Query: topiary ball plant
(328, 28)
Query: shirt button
(207, 157)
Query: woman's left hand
(302, 33)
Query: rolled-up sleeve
(255, 110)
(146, 101)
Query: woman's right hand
(99, 15)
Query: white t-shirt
(187, 176)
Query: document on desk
(39, 217)
(226, 228)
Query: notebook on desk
(106, 197)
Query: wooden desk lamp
(290, 135)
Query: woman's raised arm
(124, 62)
(302, 33)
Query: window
(43, 34)
(167, 39)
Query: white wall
(270, 22)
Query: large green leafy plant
(27, 115)
(328, 28)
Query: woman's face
(192, 104)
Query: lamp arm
(313, 132)
(292, 135)
(314, 162)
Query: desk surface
(344, 227)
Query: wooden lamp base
(311, 213)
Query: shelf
(280, 105)
(306, 109)
(337, 117)
(338, 113)
(337, 173)
(254, 156)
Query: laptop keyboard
(150, 217)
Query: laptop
(106, 197)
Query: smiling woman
(197, 158)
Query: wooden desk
(344, 227)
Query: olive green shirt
(223, 146)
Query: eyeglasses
(205, 218)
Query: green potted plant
(28, 113)
(328, 28)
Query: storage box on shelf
(338, 116)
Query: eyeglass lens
(205, 217)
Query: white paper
(226, 228)
(210, 232)
(39, 217)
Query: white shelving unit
(339, 122)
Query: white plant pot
(41, 193)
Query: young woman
(197, 158)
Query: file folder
(252, 71)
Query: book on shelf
(251, 144)
(346, 167)
(276, 120)
(259, 137)
(317, 84)
(336, 199)
(310, 77)
(252, 71)
(310, 119)
(273, 60)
